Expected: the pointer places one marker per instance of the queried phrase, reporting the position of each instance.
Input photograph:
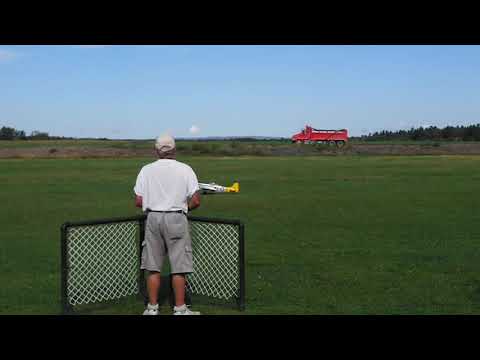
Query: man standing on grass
(167, 189)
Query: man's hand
(138, 201)
(194, 201)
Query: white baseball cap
(165, 143)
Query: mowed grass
(324, 235)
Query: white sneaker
(151, 310)
(184, 310)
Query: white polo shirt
(166, 185)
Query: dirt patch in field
(381, 149)
(413, 149)
(267, 150)
(73, 152)
(376, 149)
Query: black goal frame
(67, 308)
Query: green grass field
(324, 235)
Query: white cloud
(194, 130)
(7, 55)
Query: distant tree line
(458, 133)
(237, 139)
(8, 133)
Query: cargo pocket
(143, 255)
(188, 264)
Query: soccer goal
(100, 261)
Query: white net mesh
(103, 262)
(215, 260)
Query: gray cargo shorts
(167, 234)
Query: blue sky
(142, 91)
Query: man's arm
(194, 201)
(138, 201)
(139, 189)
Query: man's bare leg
(153, 286)
(178, 284)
